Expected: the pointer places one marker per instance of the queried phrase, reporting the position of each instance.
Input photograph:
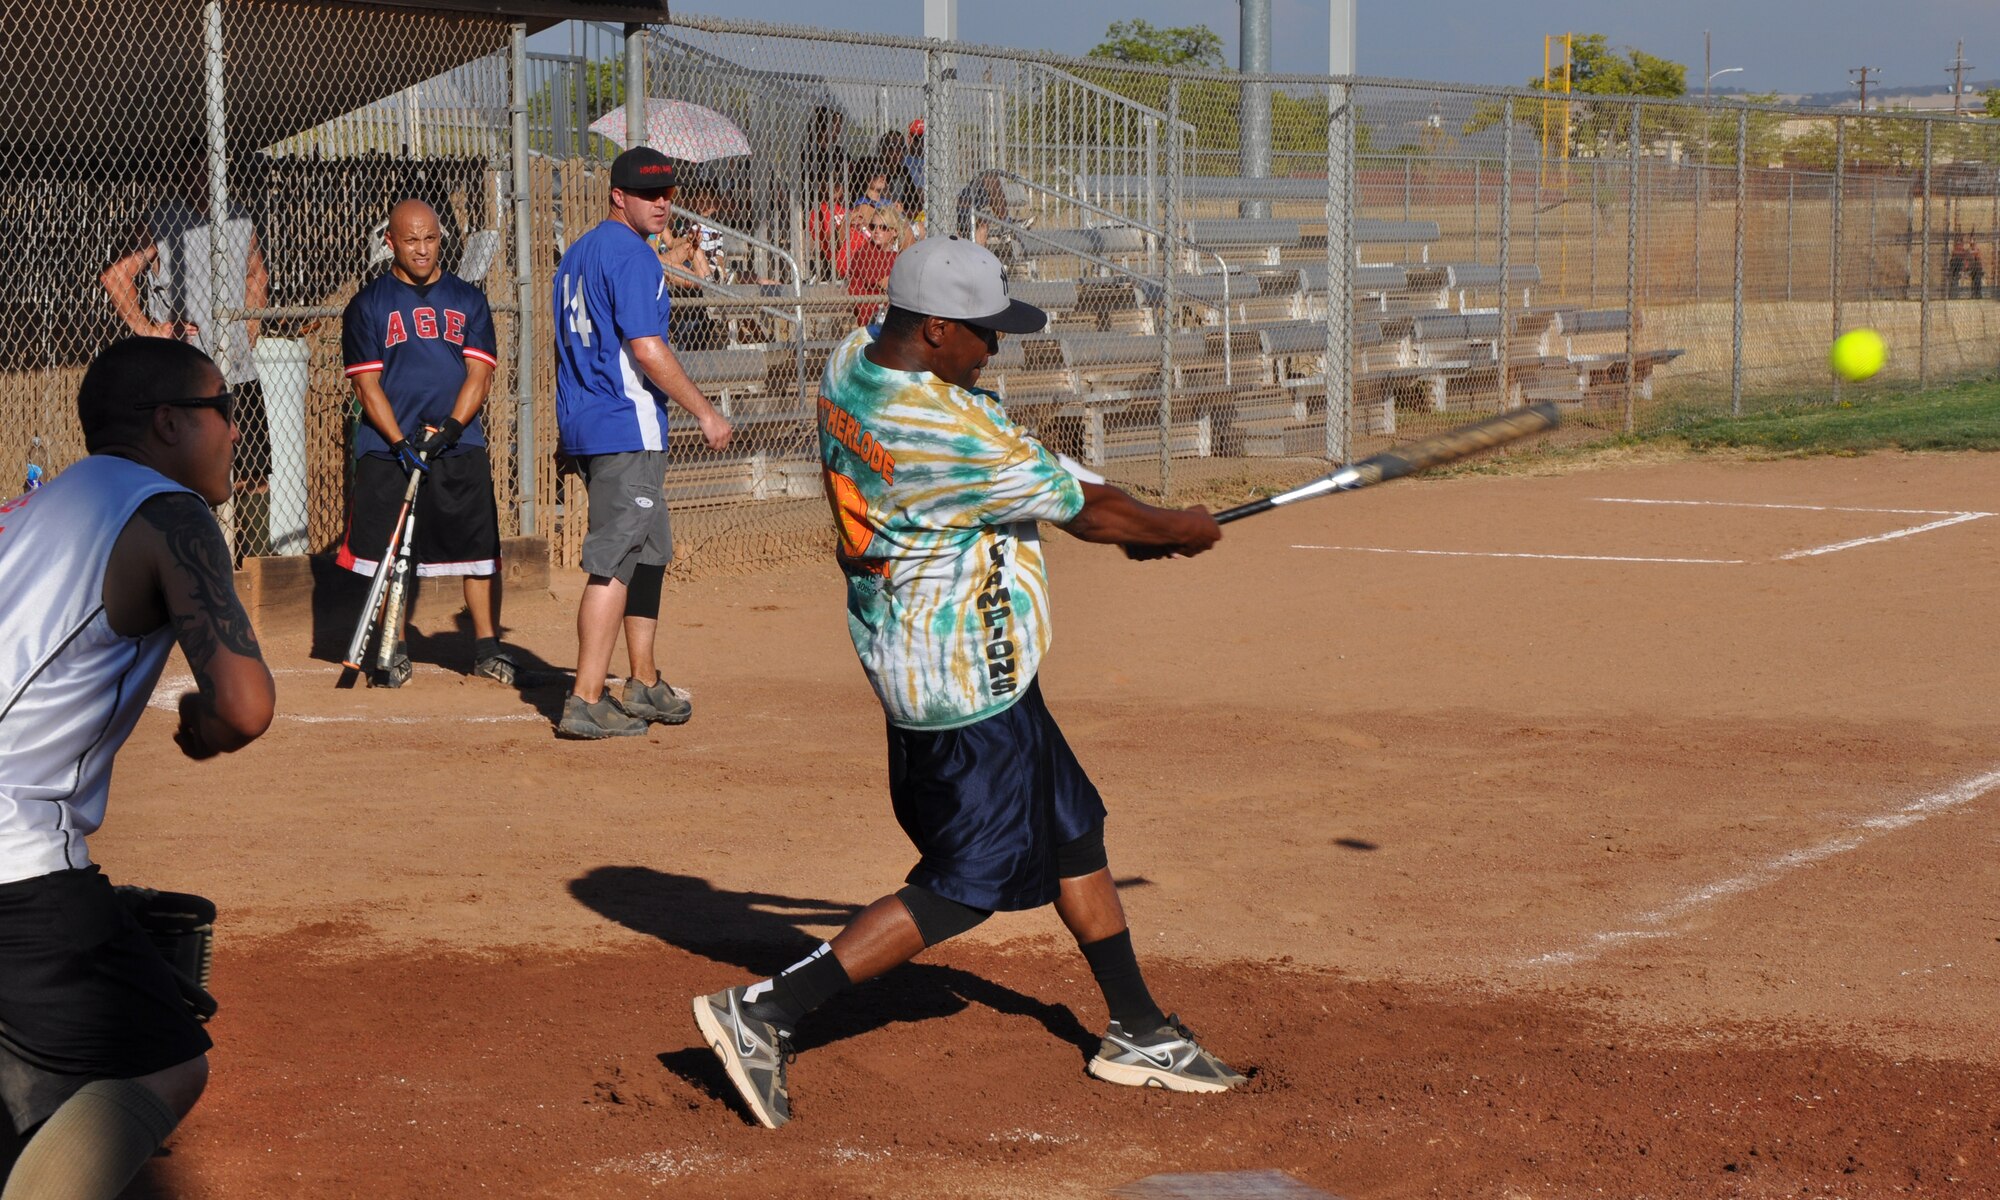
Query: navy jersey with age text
(418, 338)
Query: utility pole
(1957, 71)
(1864, 73)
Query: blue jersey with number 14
(609, 289)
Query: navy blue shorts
(988, 803)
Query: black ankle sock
(484, 648)
(804, 986)
(1117, 970)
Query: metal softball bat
(1433, 451)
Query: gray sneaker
(655, 701)
(753, 1051)
(395, 675)
(599, 718)
(1167, 1057)
(498, 666)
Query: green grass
(1963, 416)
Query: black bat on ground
(1433, 451)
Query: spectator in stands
(163, 286)
(825, 177)
(913, 162)
(983, 198)
(868, 270)
(1964, 261)
(871, 176)
(689, 326)
(690, 245)
(890, 152)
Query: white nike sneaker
(1167, 1057)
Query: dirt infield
(1623, 833)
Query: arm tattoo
(214, 618)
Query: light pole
(1701, 178)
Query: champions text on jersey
(935, 496)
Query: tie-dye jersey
(935, 496)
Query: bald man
(419, 347)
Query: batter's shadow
(763, 933)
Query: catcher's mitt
(182, 926)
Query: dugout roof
(118, 88)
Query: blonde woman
(868, 266)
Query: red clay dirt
(1521, 877)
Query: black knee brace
(642, 595)
(1084, 856)
(938, 918)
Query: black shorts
(987, 804)
(458, 527)
(83, 994)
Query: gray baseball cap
(960, 280)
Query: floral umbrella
(680, 130)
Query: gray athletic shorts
(628, 515)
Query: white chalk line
(1909, 512)
(1892, 535)
(1624, 558)
(1947, 517)
(1657, 923)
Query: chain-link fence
(1246, 277)
(227, 182)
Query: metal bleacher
(1244, 371)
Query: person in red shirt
(868, 266)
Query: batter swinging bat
(399, 536)
(1449, 446)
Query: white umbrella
(680, 130)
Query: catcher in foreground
(101, 572)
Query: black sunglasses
(990, 336)
(223, 404)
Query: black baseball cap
(642, 169)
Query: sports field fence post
(1408, 173)
(1924, 273)
(1631, 258)
(1833, 266)
(1170, 260)
(635, 85)
(1791, 198)
(937, 110)
(1339, 374)
(1502, 339)
(1476, 170)
(525, 462)
(1736, 282)
(1254, 113)
(217, 159)
(1593, 231)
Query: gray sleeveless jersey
(184, 280)
(70, 688)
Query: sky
(1782, 45)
